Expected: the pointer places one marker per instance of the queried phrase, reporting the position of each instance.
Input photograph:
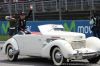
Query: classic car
(54, 43)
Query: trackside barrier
(81, 26)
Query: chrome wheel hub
(58, 55)
(10, 52)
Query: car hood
(67, 34)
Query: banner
(4, 25)
(81, 26)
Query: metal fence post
(15, 7)
(60, 14)
(9, 7)
(82, 5)
(23, 7)
(57, 6)
(33, 11)
(43, 9)
(66, 4)
(92, 4)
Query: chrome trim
(85, 55)
(78, 44)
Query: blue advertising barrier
(81, 26)
(4, 25)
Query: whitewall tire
(10, 53)
(57, 57)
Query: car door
(30, 44)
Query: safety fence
(50, 6)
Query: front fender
(12, 42)
(93, 43)
(65, 47)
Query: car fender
(65, 47)
(93, 43)
(12, 42)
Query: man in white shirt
(95, 26)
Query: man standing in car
(22, 20)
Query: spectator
(98, 26)
(93, 25)
(95, 22)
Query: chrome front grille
(78, 44)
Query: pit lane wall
(81, 26)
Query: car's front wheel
(94, 60)
(10, 53)
(57, 57)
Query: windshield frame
(59, 29)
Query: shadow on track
(42, 62)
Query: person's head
(22, 15)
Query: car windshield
(59, 29)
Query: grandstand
(52, 9)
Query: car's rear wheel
(10, 53)
(57, 57)
(94, 60)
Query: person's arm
(30, 12)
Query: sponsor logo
(75, 27)
(70, 27)
(4, 27)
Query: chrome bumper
(79, 56)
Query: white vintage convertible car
(55, 43)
